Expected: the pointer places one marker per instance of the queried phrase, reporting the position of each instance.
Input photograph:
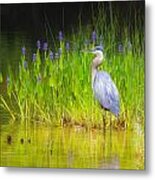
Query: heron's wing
(106, 92)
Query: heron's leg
(110, 121)
(110, 127)
(104, 120)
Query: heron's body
(105, 91)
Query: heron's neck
(94, 71)
(96, 62)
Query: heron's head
(98, 51)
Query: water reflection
(71, 148)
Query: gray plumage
(105, 91)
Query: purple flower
(45, 46)
(23, 51)
(60, 36)
(33, 57)
(38, 44)
(67, 46)
(94, 36)
(120, 48)
(25, 64)
(51, 55)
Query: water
(76, 147)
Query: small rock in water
(22, 141)
(29, 141)
(9, 139)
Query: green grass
(63, 92)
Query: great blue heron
(105, 90)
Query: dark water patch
(22, 141)
(29, 141)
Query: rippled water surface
(73, 147)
